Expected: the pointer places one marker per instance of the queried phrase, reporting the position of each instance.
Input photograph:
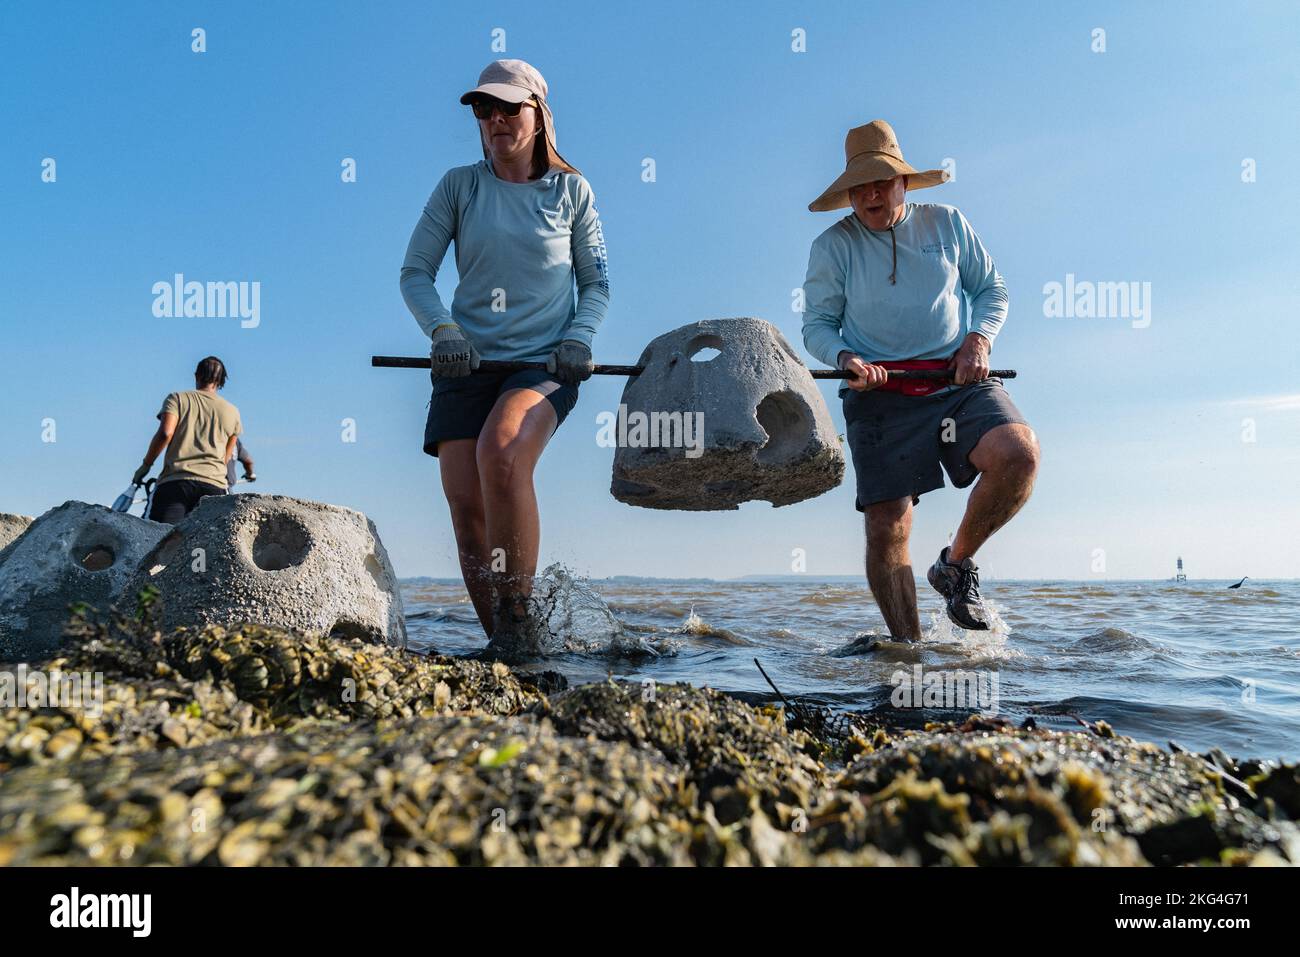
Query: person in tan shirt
(199, 431)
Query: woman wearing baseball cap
(527, 233)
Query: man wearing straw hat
(900, 285)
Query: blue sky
(1119, 166)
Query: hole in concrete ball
(704, 348)
(95, 547)
(98, 558)
(350, 628)
(165, 553)
(281, 542)
(788, 424)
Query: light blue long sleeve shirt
(850, 304)
(520, 247)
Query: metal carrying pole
(495, 365)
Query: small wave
(625, 645)
(835, 597)
(880, 648)
(697, 627)
(1112, 639)
(1247, 594)
(442, 615)
(665, 609)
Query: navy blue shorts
(902, 444)
(459, 407)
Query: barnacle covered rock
(446, 790)
(733, 752)
(247, 745)
(1072, 791)
(1281, 787)
(197, 685)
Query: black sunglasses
(485, 106)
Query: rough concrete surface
(274, 560)
(764, 431)
(74, 553)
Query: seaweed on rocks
(253, 746)
(1074, 792)
(734, 754)
(197, 685)
(446, 790)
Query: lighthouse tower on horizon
(1180, 577)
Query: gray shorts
(902, 444)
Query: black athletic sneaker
(960, 586)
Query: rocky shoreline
(247, 745)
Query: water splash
(568, 616)
(947, 638)
(697, 627)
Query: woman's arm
(424, 254)
(590, 266)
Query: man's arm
(987, 291)
(161, 439)
(246, 460)
(230, 449)
(981, 282)
(823, 303)
(823, 318)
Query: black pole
(493, 365)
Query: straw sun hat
(872, 153)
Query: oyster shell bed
(249, 745)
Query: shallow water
(1194, 662)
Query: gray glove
(140, 473)
(451, 356)
(570, 362)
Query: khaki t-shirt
(204, 424)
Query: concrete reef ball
(74, 553)
(723, 413)
(273, 560)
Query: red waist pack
(914, 386)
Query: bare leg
(1007, 459)
(509, 447)
(889, 566)
(460, 484)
